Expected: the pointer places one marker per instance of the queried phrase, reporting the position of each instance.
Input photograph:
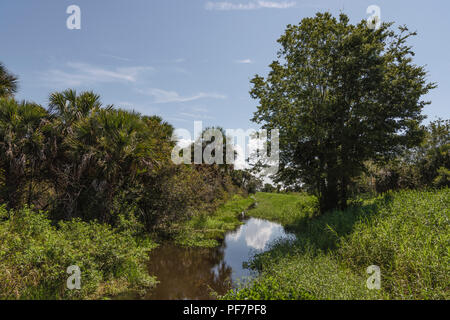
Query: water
(192, 273)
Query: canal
(193, 273)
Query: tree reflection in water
(189, 273)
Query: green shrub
(34, 257)
(268, 288)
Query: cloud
(259, 240)
(223, 6)
(178, 119)
(79, 74)
(236, 235)
(245, 61)
(114, 57)
(195, 115)
(199, 109)
(184, 143)
(163, 96)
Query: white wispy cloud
(77, 73)
(114, 57)
(244, 61)
(183, 143)
(163, 96)
(199, 109)
(196, 116)
(253, 5)
(177, 119)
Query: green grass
(287, 209)
(406, 233)
(205, 230)
(409, 238)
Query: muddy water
(192, 273)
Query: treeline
(79, 159)
(425, 166)
(422, 167)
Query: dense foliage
(427, 165)
(34, 257)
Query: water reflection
(187, 273)
(192, 273)
(252, 237)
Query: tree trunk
(11, 188)
(30, 188)
(329, 196)
(343, 193)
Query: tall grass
(286, 209)
(409, 238)
(407, 234)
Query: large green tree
(340, 94)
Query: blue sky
(187, 60)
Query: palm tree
(112, 150)
(21, 146)
(100, 152)
(68, 107)
(8, 83)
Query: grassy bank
(407, 234)
(205, 230)
(34, 257)
(286, 209)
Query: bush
(268, 288)
(34, 257)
